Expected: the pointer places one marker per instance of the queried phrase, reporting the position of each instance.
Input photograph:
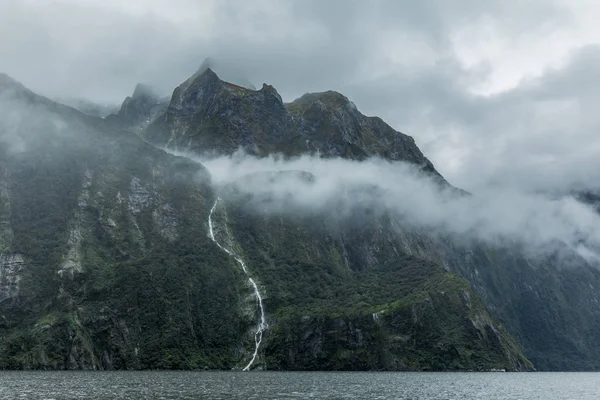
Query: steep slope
(332, 126)
(138, 110)
(226, 71)
(106, 262)
(549, 302)
(346, 294)
(208, 115)
(104, 257)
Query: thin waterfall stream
(262, 323)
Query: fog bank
(494, 214)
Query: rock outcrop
(138, 110)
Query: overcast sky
(494, 91)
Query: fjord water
(297, 385)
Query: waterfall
(262, 323)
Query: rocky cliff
(138, 110)
(548, 301)
(208, 115)
(106, 261)
(354, 294)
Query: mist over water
(495, 215)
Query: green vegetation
(118, 271)
(143, 286)
(344, 298)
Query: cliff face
(106, 261)
(208, 115)
(354, 294)
(548, 302)
(11, 269)
(138, 110)
(332, 126)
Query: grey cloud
(535, 136)
(542, 135)
(539, 136)
(56, 46)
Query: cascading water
(262, 323)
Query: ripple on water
(167, 385)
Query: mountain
(227, 72)
(104, 261)
(548, 302)
(209, 115)
(332, 126)
(115, 254)
(139, 109)
(345, 295)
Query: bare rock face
(139, 110)
(227, 71)
(105, 261)
(11, 269)
(6, 233)
(208, 115)
(332, 126)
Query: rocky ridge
(104, 229)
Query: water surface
(297, 385)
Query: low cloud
(495, 215)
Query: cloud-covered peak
(143, 90)
(226, 71)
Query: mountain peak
(208, 73)
(227, 72)
(207, 77)
(138, 110)
(143, 90)
(209, 82)
(270, 89)
(208, 63)
(200, 75)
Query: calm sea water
(297, 385)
